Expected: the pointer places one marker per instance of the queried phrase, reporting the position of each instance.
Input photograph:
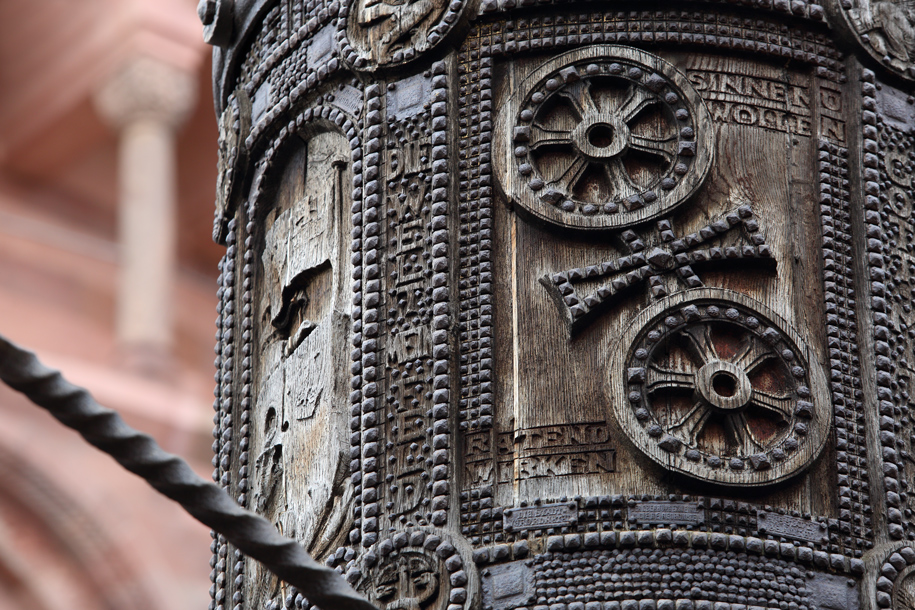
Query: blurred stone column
(146, 101)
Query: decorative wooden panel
(565, 306)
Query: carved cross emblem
(733, 236)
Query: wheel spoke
(569, 178)
(635, 101)
(579, 94)
(742, 437)
(753, 355)
(700, 344)
(541, 136)
(778, 405)
(666, 148)
(621, 182)
(691, 425)
(665, 379)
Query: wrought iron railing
(171, 476)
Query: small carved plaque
(261, 102)
(540, 517)
(348, 99)
(406, 97)
(775, 524)
(393, 32)
(673, 513)
(506, 586)
(884, 29)
(832, 592)
(321, 46)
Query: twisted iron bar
(171, 476)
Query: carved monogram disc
(394, 32)
(603, 137)
(714, 385)
(886, 30)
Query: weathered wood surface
(570, 307)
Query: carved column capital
(145, 88)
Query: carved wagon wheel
(711, 384)
(603, 137)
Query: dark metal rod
(173, 477)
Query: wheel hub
(724, 386)
(601, 136)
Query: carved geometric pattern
(890, 577)
(624, 520)
(796, 9)
(603, 137)
(889, 199)
(475, 285)
(855, 515)
(650, 258)
(717, 387)
(673, 578)
(406, 386)
(709, 30)
(223, 403)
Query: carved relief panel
(612, 205)
(885, 29)
(302, 318)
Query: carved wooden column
(553, 306)
(146, 101)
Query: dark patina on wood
(569, 306)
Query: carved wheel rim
(713, 385)
(603, 137)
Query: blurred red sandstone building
(107, 270)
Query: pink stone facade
(77, 531)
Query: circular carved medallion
(904, 589)
(409, 579)
(412, 570)
(713, 385)
(886, 30)
(383, 33)
(603, 137)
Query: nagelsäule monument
(545, 305)
(570, 305)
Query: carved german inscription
(754, 101)
(540, 517)
(555, 451)
(791, 527)
(667, 513)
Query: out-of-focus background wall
(108, 271)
